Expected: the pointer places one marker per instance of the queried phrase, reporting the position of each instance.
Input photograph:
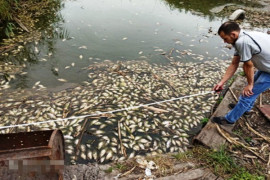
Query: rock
(237, 14)
(82, 172)
(192, 174)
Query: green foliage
(242, 73)
(245, 175)
(120, 167)
(238, 132)
(109, 170)
(230, 81)
(181, 156)
(9, 29)
(248, 139)
(204, 121)
(221, 161)
(219, 99)
(5, 9)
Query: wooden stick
(235, 98)
(168, 58)
(20, 24)
(81, 135)
(171, 52)
(128, 172)
(258, 134)
(229, 139)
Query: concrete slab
(209, 135)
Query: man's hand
(247, 91)
(218, 87)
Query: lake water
(94, 31)
(175, 53)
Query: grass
(248, 139)
(245, 175)
(242, 73)
(219, 99)
(220, 162)
(238, 132)
(204, 121)
(122, 167)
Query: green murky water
(84, 32)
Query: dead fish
(62, 80)
(82, 47)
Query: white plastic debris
(148, 172)
(151, 165)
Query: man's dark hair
(228, 27)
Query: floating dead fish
(82, 47)
(62, 80)
(37, 83)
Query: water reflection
(203, 8)
(76, 34)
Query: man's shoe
(231, 106)
(222, 121)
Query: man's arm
(249, 71)
(229, 72)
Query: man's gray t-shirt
(254, 46)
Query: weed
(219, 99)
(9, 29)
(242, 73)
(222, 161)
(230, 81)
(248, 139)
(238, 132)
(120, 167)
(182, 156)
(109, 170)
(245, 175)
(204, 121)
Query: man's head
(229, 32)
